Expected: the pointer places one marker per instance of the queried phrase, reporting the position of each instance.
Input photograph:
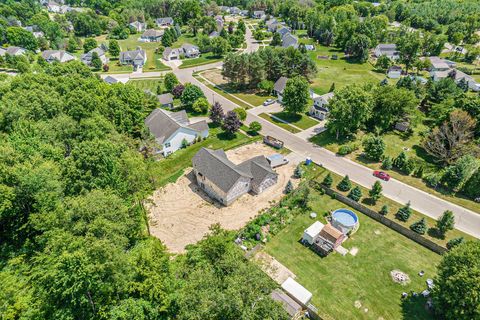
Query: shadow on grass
(435, 233)
(226, 136)
(415, 308)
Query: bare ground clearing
(181, 214)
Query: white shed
(311, 232)
(297, 291)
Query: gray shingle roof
(257, 167)
(289, 40)
(166, 98)
(152, 33)
(279, 86)
(166, 20)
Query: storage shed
(311, 232)
(297, 291)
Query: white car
(268, 102)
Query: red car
(381, 175)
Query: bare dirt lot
(180, 213)
(215, 76)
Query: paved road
(466, 220)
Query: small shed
(297, 291)
(394, 72)
(276, 160)
(312, 232)
(291, 306)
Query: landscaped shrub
(419, 172)
(404, 213)
(384, 210)
(327, 182)
(399, 162)
(298, 173)
(345, 184)
(387, 163)
(408, 166)
(347, 148)
(184, 143)
(445, 223)
(289, 187)
(355, 194)
(255, 126)
(376, 191)
(242, 114)
(420, 226)
(433, 179)
(455, 242)
(374, 147)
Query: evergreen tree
(289, 187)
(400, 161)
(387, 163)
(276, 40)
(113, 48)
(404, 213)
(328, 181)
(96, 62)
(446, 222)
(298, 173)
(345, 184)
(384, 210)
(355, 194)
(420, 226)
(455, 242)
(376, 191)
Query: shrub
(355, 194)
(420, 226)
(327, 181)
(376, 191)
(347, 149)
(345, 184)
(242, 114)
(409, 166)
(419, 172)
(404, 213)
(184, 143)
(433, 179)
(298, 173)
(374, 147)
(446, 222)
(201, 105)
(289, 187)
(384, 210)
(178, 90)
(387, 163)
(455, 242)
(255, 126)
(399, 162)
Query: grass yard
(301, 121)
(147, 84)
(337, 282)
(171, 168)
(221, 92)
(396, 143)
(279, 123)
(205, 58)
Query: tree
(446, 222)
(420, 226)
(391, 105)
(241, 26)
(455, 242)
(408, 45)
(184, 143)
(255, 126)
(357, 47)
(259, 35)
(328, 180)
(16, 36)
(266, 86)
(384, 210)
(355, 194)
(89, 44)
(167, 39)
(387, 163)
(295, 95)
(457, 174)
(289, 187)
(72, 45)
(113, 48)
(178, 90)
(191, 94)
(345, 184)
(332, 87)
(374, 147)
(298, 173)
(231, 123)
(350, 109)
(201, 105)
(170, 81)
(383, 62)
(400, 161)
(457, 283)
(242, 114)
(220, 46)
(216, 113)
(96, 62)
(453, 139)
(376, 192)
(404, 213)
(276, 40)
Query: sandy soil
(215, 76)
(180, 213)
(277, 271)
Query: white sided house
(387, 49)
(172, 129)
(225, 181)
(320, 109)
(279, 87)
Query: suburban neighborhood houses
(241, 159)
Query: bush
(387, 163)
(455, 242)
(374, 147)
(289, 187)
(355, 194)
(255, 126)
(298, 173)
(433, 180)
(345, 184)
(347, 148)
(404, 213)
(384, 210)
(409, 166)
(399, 162)
(242, 114)
(328, 181)
(420, 226)
(184, 143)
(201, 105)
(446, 222)
(419, 172)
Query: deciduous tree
(295, 95)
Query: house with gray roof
(12, 51)
(57, 55)
(259, 14)
(289, 40)
(138, 26)
(320, 109)
(283, 31)
(185, 51)
(137, 58)
(226, 181)
(387, 49)
(87, 57)
(171, 54)
(164, 22)
(279, 86)
(165, 100)
(172, 129)
(151, 35)
(190, 51)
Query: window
(167, 145)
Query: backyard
(360, 286)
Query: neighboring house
(213, 34)
(138, 26)
(164, 22)
(279, 86)
(234, 10)
(190, 51)
(165, 100)
(283, 31)
(439, 64)
(186, 50)
(244, 13)
(53, 7)
(171, 54)
(113, 80)
(151, 35)
(87, 57)
(394, 72)
(320, 108)
(327, 240)
(57, 55)
(171, 129)
(289, 40)
(259, 14)
(38, 34)
(457, 76)
(272, 25)
(219, 22)
(12, 51)
(387, 49)
(137, 58)
(225, 181)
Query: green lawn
(278, 123)
(221, 92)
(301, 121)
(171, 168)
(395, 143)
(147, 84)
(337, 282)
(205, 58)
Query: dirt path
(180, 213)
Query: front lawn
(301, 121)
(205, 58)
(279, 123)
(357, 287)
(147, 84)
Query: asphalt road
(428, 204)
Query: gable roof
(132, 55)
(283, 31)
(439, 63)
(387, 47)
(258, 167)
(165, 98)
(60, 55)
(165, 20)
(330, 233)
(12, 51)
(152, 33)
(289, 40)
(280, 85)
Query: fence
(380, 218)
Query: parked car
(381, 175)
(268, 102)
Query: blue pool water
(345, 217)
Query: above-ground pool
(345, 220)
